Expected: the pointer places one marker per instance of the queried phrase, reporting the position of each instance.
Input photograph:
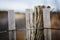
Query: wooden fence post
(47, 24)
(38, 23)
(11, 25)
(31, 25)
(27, 24)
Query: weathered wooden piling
(38, 23)
(11, 25)
(47, 24)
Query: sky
(22, 5)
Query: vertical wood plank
(11, 20)
(27, 24)
(11, 25)
(31, 24)
(35, 17)
(47, 24)
(35, 31)
(39, 23)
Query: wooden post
(47, 24)
(11, 23)
(38, 23)
(35, 13)
(28, 24)
(31, 25)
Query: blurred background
(19, 7)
